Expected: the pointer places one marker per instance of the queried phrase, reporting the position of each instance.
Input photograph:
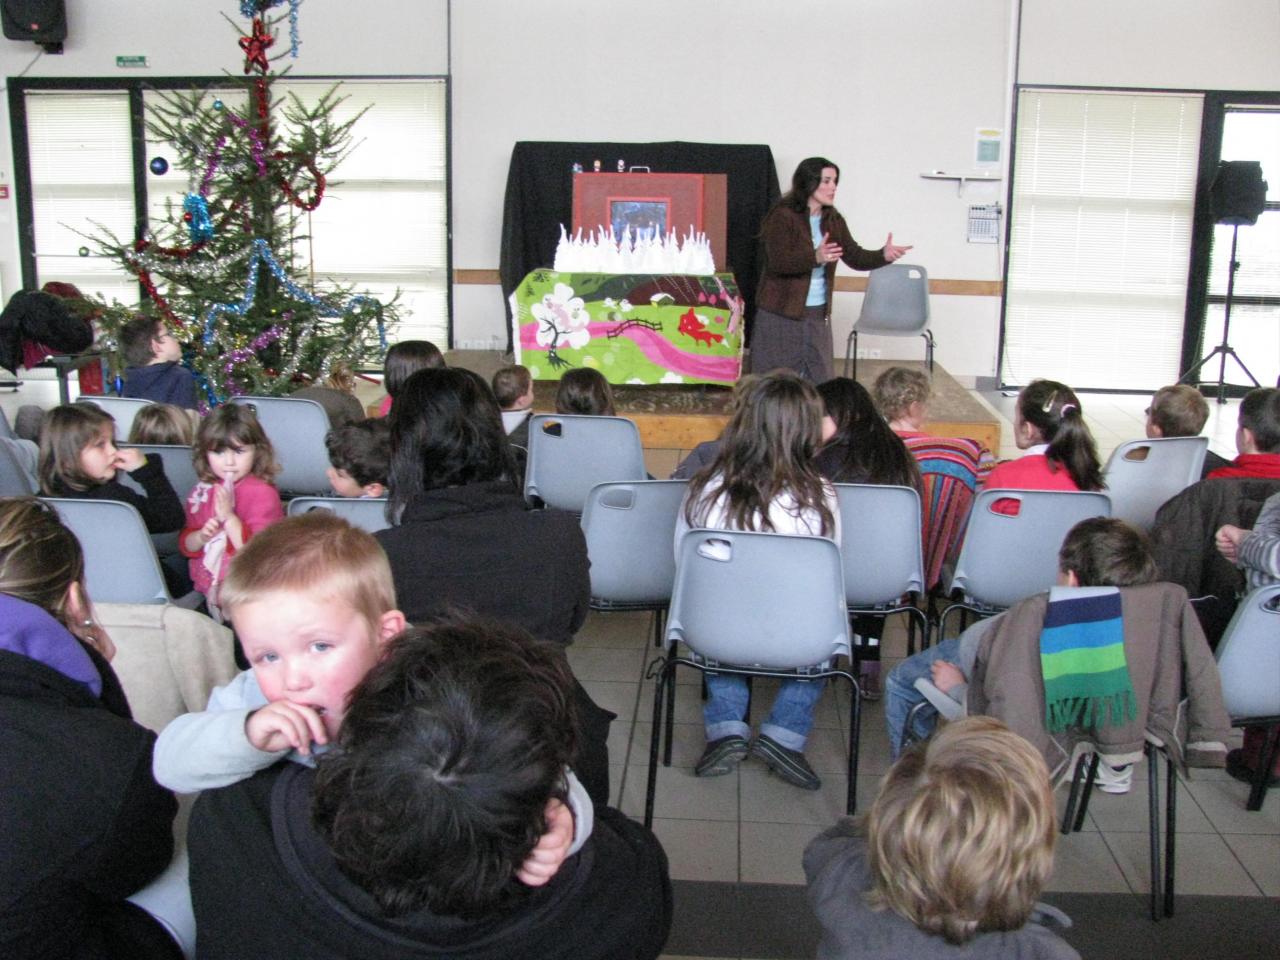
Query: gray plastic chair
(122, 410)
(1138, 488)
(366, 513)
(1006, 558)
(1249, 664)
(882, 553)
(120, 563)
(755, 604)
(568, 455)
(296, 428)
(14, 480)
(178, 467)
(6, 431)
(896, 304)
(630, 528)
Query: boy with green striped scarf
(1082, 644)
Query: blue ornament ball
(159, 166)
(217, 104)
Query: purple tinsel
(270, 335)
(259, 153)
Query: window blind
(1100, 237)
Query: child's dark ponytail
(1054, 410)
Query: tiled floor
(751, 827)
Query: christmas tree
(227, 272)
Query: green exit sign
(131, 62)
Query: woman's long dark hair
(804, 181)
(863, 449)
(446, 431)
(1054, 410)
(766, 452)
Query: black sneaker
(722, 756)
(790, 765)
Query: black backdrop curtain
(540, 199)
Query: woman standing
(803, 237)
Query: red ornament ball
(186, 217)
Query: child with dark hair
(586, 392)
(1058, 449)
(764, 478)
(154, 371)
(234, 498)
(513, 389)
(359, 458)
(79, 458)
(404, 359)
(950, 860)
(1099, 552)
(859, 447)
(411, 837)
(1257, 437)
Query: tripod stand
(1224, 349)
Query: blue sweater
(162, 382)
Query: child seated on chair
(513, 386)
(359, 458)
(949, 861)
(1178, 410)
(165, 424)
(1096, 552)
(313, 604)
(154, 370)
(1096, 664)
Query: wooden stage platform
(680, 417)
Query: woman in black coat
(464, 538)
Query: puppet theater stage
(545, 183)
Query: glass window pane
(1100, 237)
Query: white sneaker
(1111, 779)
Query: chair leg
(1089, 779)
(1170, 825)
(928, 348)
(855, 736)
(1153, 826)
(1266, 762)
(670, 694)
(851, 354)
(656, 735)
(1086, 766)
(915, 613)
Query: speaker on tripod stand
(1237, 198)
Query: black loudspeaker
(1239, 193)
(42, 21)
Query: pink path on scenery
(657, 348)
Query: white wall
(885, 90)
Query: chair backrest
(770, 600)
(1249, 656)
(14, 481)
(296, 428)
(1138, 488)
(568, 455)
(6, 431)
(177, 467)
(367, 513)
(880, 542)
(630, 529)
(120, 564)
(123, 409)
(896, 302)
(1005, 558)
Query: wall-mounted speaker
(42, 21)
(1239, 193)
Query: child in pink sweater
(233, 500)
